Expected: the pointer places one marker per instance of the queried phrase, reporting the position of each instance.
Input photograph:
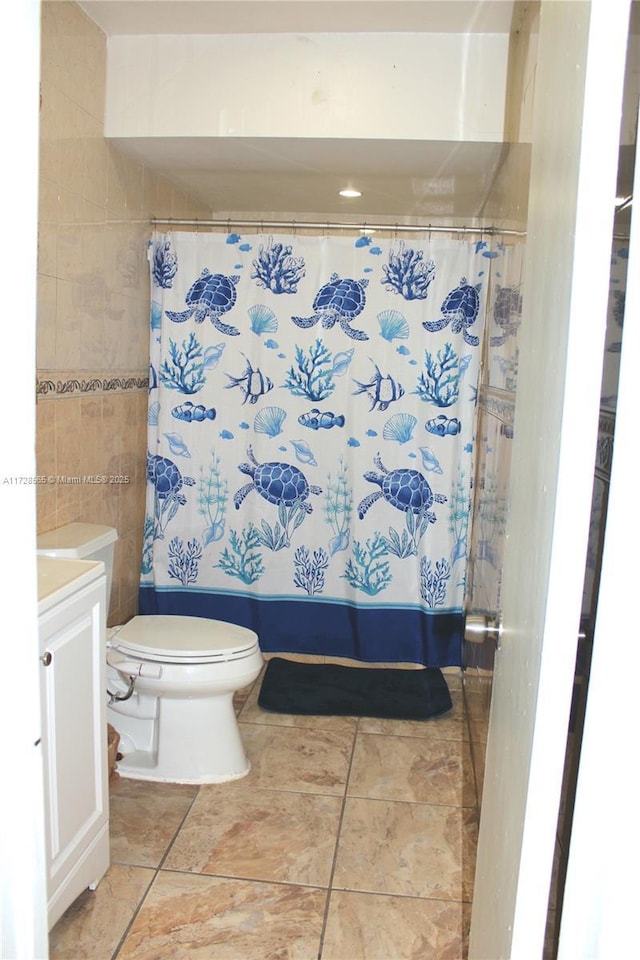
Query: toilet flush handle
(133, 668)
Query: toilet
(170, 680)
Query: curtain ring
(228, 225)
(293, 228)
(262, 226)
(395, 235)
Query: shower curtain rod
(328, 225)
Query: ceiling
(399, 180)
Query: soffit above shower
(413, 118)
(122, 17)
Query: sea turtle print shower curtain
(312, 405)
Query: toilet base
(192, 741)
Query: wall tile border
(499, 403)
(59, 383)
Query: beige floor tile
(199, 918)
(408, 849)
(252, 713)
(144, 817)
(302, 760)
(413, 769)
(258, 835)
(93, 925)
(365, 926)
(450, 726)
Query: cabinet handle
(46, 658)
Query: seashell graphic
(304, 452)
(341, 362)
(263, 319)
(154, 412)
(212, 356)
(429, 460)
(399, 427)
(393, 325)
(339, 542)
(270, 421)
(177, 445)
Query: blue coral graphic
(433, 583)
(440, 381)
(314, 375)
(276, 269)
(183, 562)
(185, 370)
(309, 571)
(408, 273)
(164, 265)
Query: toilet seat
(184, 640)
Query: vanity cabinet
(72, 627)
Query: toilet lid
(192, 639)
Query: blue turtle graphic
(460, 308)
(166, 478)
(279, 483)
(339, 300)
(406, 490)
(168, 481)
(211, 295)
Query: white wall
(390, 86)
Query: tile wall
(93, 300)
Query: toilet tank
(81, 541)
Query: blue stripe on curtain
(324, 628)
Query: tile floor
(350, 839)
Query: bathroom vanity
(72, 626)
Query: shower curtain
(312, 405)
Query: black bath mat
(330, 689)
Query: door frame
(576, 129)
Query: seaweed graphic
(183, 564)
(408, 274)
(407, 545)
(368, 571)
(439, 384)
(213, 493)
(276, 270)
(279, 538)
(337, 508)
(165, 264)
(186, 372)
(311, 380)
(459, 517)
(147, 546)
(309, 573)
(433, 584)
(244, 561)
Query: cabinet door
(74, 730)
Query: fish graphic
(443, 427)
(381, 390)
(317, 419)
(253, 383)
(189, 412)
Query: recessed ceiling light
(350, 192)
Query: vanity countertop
(58, 578)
